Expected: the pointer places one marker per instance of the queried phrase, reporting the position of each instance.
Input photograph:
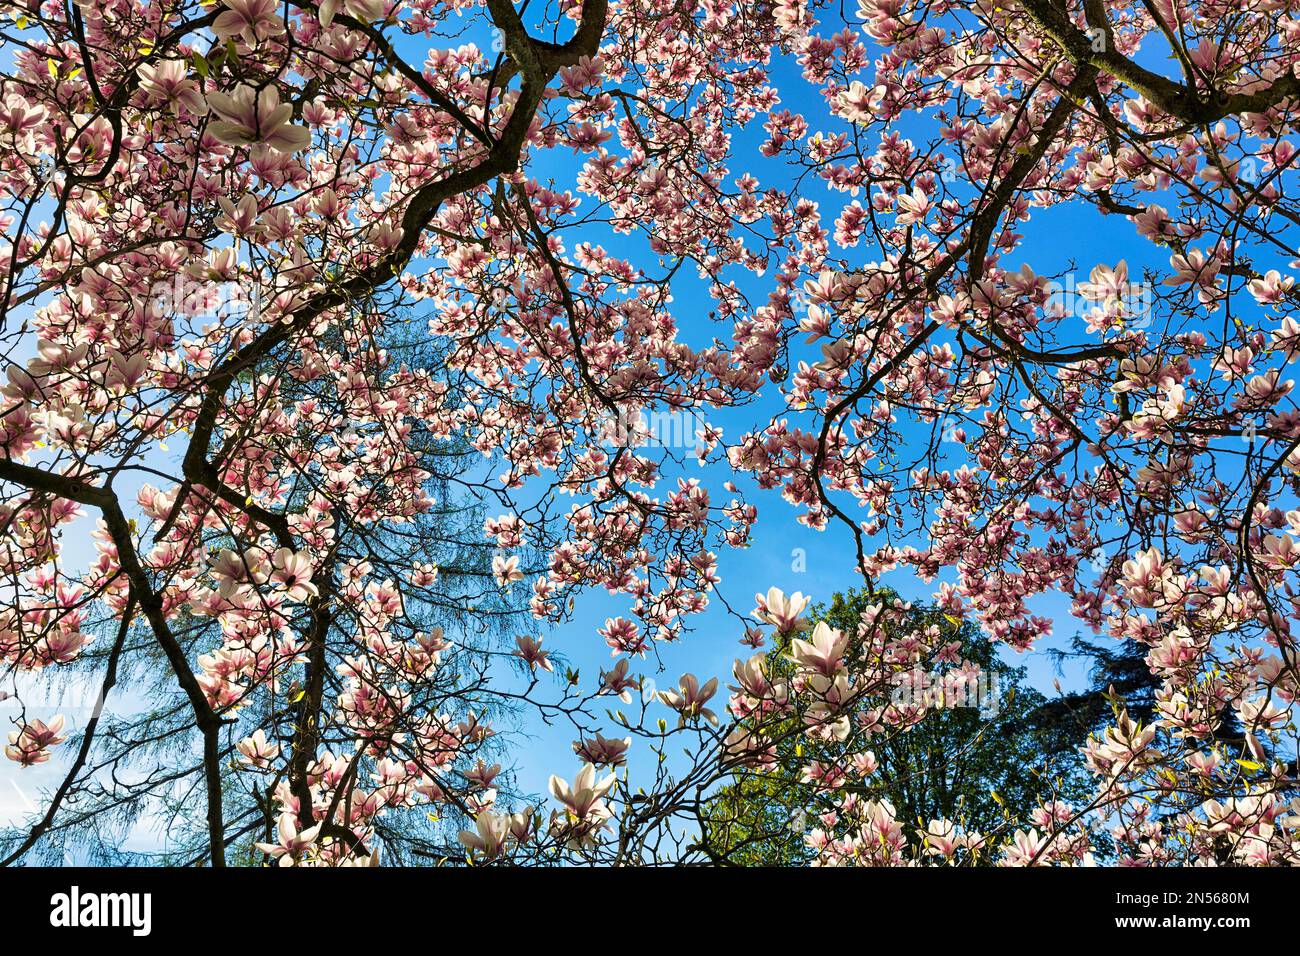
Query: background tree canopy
(984, 767)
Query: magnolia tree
(285, 284)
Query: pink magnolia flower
(126, 371)
(30, 744)
(1195, 267)
(292, 844)
(585, 73)
(488, 838)
(1203, 762)
(169, 82)
(506, 570)
(61, 647)
(912, 207)
(1287, 337)
(623, 637)
(293, 570)
(1025, 849)
(823, 652)
(424, 575)
(602, 751)
(250, 115)
(363, 10)
(690, 697)
(1123, 747)
(942, 838)
(746, 748)
(241, 219)
(617, 681)
(1105, 283)
(858, 102)
(250, 20)
(584, 800)
(1261, 713)
(753, 683)
(482, 775)
(1292, 819)
(257, 751)
(781, 611)
(529, 649)
(233, 570)
(1272, 288)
